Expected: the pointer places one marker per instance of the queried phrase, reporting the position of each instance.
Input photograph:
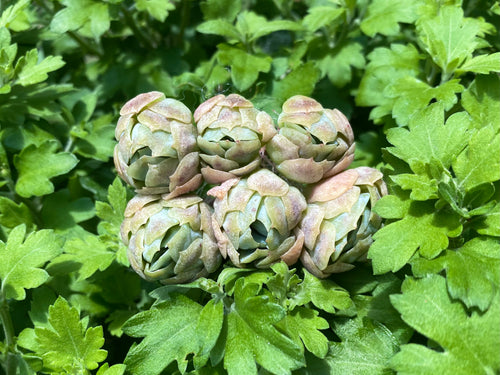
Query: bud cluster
(278, 192)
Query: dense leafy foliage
(419, 82)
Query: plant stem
(8, 328)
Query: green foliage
(419, 82)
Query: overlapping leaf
(470, 342)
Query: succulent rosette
(312, 142)
(339, 221)
(156, 151)
(231, 133)
(255, 220)
(170, 240)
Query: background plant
(417, 79)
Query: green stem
(129, 19)
(8, 328)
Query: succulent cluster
(278, 192)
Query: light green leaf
(245, 68)
(157, 9)
(429, 138)
(31, 71)
(12, 214)
(90, 18)
(89, 253)
(426, 231)
(97, 140)
(323, 293)
(252, 338)
(14, 17)
(383, 16)
(302, 324)
(422, 187)
(38, 164)
(113, 212)
(252, 26)
(449, 38)
(412, 95)
(482, 101)
(472, 271)
(364, 350)
(67, 345)
(479, 162)
(113, 370)
(300, 81)
(473, 348)
(322, 16)
(179, 317)
(488, 224)
(386, 66)
(219, 27)
(210, 323)
(482, 64)
(22, 260)
(338, 66)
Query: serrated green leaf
(322, 16)
(30, 71)
(300, 81)
(487, 224)
(12, 214)
(302, 324)
(412, 95)
(210, 323)
(245, 68)
(323, 293)
(113, 211)
(219, 27)
(88, 253)
(14, 17)
(97, 141)
(422, 187)
(157, 9)
(67, 345)
(338, 66)
(88, 17)
(179, 317)
(22, 260)
(385, 67)
(252, 337)
(428, 138)
(37, 165)
(425, 231)
(482, 101)
(479, 162)
(449, 38)
(426, 306)
(482, 64)
(365, 348)
(472, 272)
(253, 26)
(384, 16)
(113, 370)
